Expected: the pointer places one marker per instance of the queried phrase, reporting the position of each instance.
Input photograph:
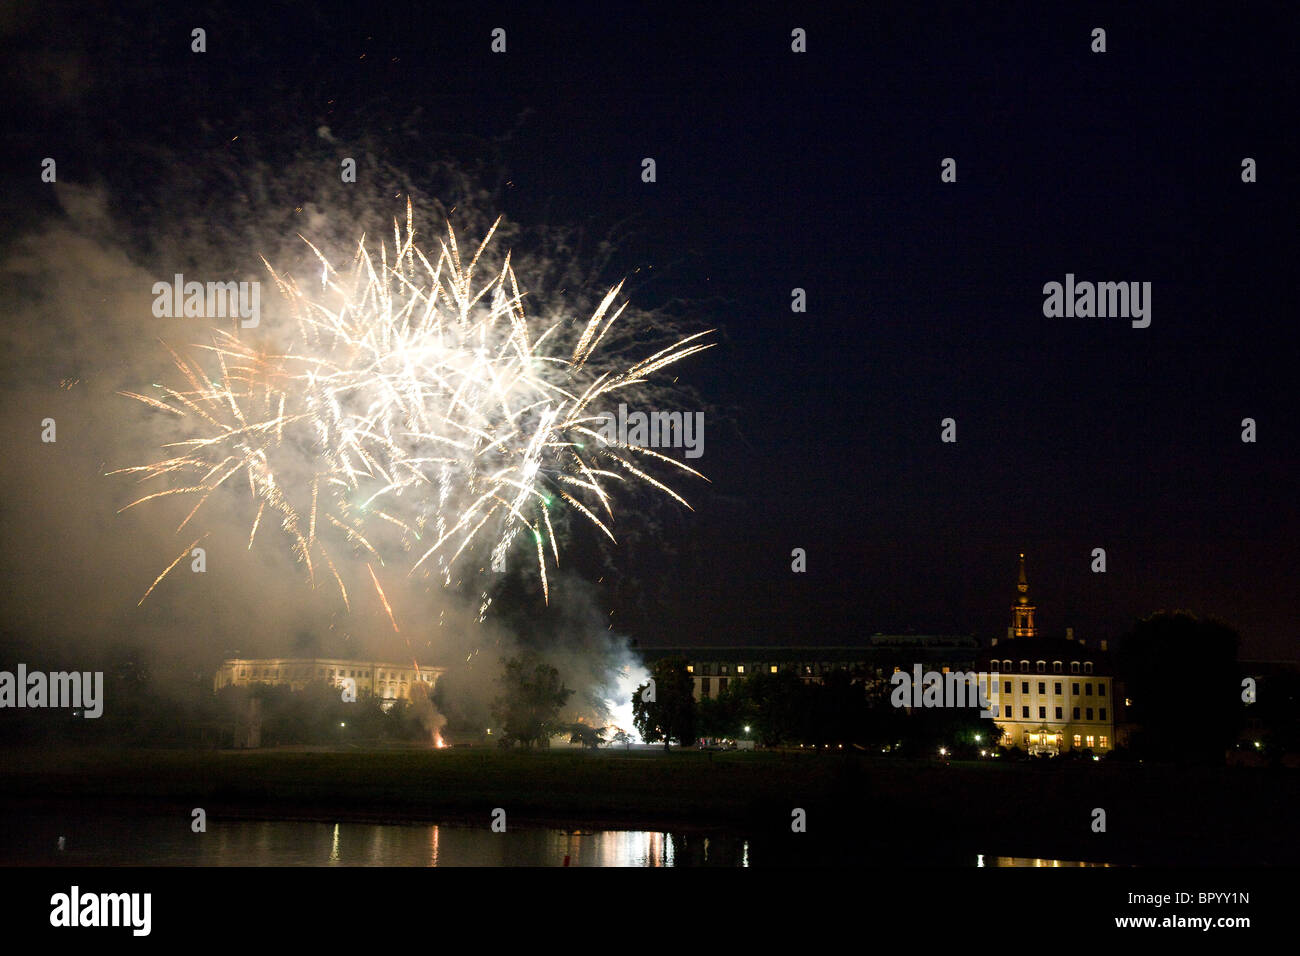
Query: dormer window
(1024, 667)
(1056, 667)
(1087, 667)
(1074, 667)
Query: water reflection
(168, 842)
(1031, 862)
(51, 839)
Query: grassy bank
(858, 808)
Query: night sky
(821, 171)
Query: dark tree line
(842, 710)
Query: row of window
(1041, 666)
(331, 672)
(740, 669)
(1042, 713)
(1042, 688)
(1098, 742)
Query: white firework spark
(419, 417)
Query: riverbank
(858, 808)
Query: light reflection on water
(168, 841)
(157, 841)
(1028, 861)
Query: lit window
(1105, 742)
(690, 668)
(1128, 701)
(773, 669)
(1090, 741)
(1078, 741)
(740, 668)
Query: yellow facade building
(382, 679)
(1051, 695)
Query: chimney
(1103, 645)
(1069, 633)
(1010, 631)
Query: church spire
(1022, 612)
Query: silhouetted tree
(671, 715)
(528, 709)
(1180, 672)
(590, 737)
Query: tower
(1022, 612)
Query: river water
(34, 839)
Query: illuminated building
(388, 681)
(1051, 694)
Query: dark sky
(821, 170)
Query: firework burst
(418, 417)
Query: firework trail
(417, 417)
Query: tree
(621, 736)
(1181, 673)
(725, 714)
(670, 715)
(590, 737)
(780, 707)
(528, 709)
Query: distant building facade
(382, 679)
(713, 669)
